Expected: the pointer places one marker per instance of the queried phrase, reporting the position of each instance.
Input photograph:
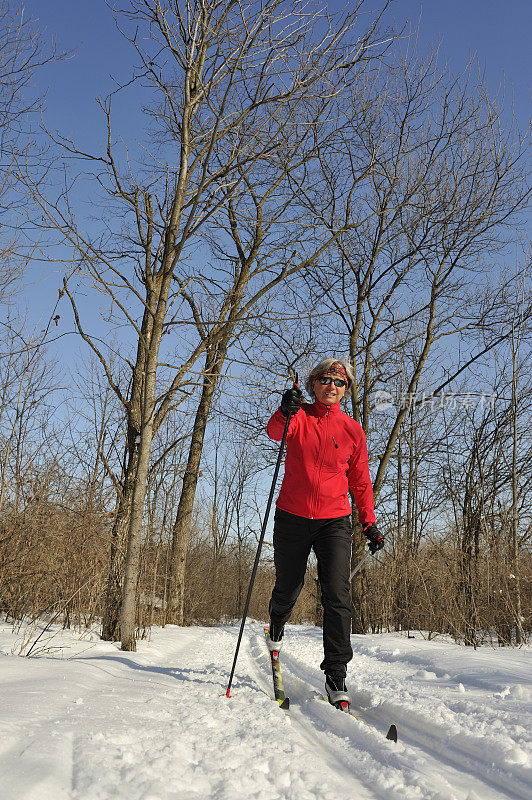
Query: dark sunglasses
(326, 380)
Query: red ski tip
(227, 694)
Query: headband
(335, 371)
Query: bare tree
(518, 322)
(25, 387)
(261, 229)
(518, 304)
(226, 80)
(445, 181)
(24, 384)
(22, 54)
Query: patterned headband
(335, 371)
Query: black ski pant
(293, 539)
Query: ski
(278, 688)
(361, 715)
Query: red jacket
(326, 454)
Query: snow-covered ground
(84, 720)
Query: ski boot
(275, 635)
(337, 691)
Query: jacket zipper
(320, 461)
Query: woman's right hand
(291, 401)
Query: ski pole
(259, 547)
(360, 564)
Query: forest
(306, 183)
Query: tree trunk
(129, 598)
(468, 571)
(359, 621)
(145, 383)
(113, 597)
(183, 520)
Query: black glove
(375, 538)
(291, 401)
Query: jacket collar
(320, 409)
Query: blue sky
(498, 31)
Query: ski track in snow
(87, 721)
(464, 758)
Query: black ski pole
(259, 547)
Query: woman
(326, 455)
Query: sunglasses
(326, 380)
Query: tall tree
(221, 83)
(23, 383)
(420, 227)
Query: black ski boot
(336, 690)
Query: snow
(85, 721)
